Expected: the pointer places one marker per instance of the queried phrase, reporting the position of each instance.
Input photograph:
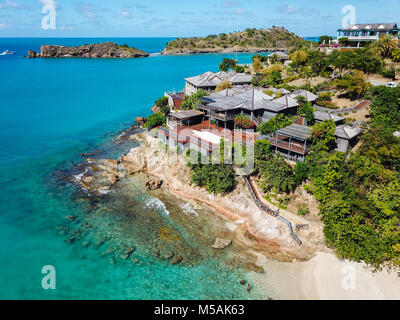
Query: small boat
(4, 53)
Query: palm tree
(299, 57)
(385, 45)
(396, 55)
(223, 85)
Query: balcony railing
(288, 145)
(221, 116)
(207, 145)
(363, 37)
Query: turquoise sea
(51, 111)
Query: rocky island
(249, 40)
(98, 50)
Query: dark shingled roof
(186, 114)
(296, 131)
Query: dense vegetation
(214, 177)
(360, 196)
(275, 37)
(162, 105)
(275, 123)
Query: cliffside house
(359, 35)
(208, 81)
(174, 99)
(292, 142)
(186, 129)
(222, 107)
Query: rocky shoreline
(98, 50)
(101, 175)
(220, 50)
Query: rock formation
(33, 54)
(153, 184)
(221, 243)
(99, 50)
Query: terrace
(293, 142)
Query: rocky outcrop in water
(140, 120)
(221, 243)
(98, 50)
(33, 54)
(153, 184)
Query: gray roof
(296, 131)
(223, 103)
(274, 106)
(282, 90)
(211, 79)
(346, 132)
(306, 94)
(321, 116)
(280, 55)
(287, 100)
(185, 114)
(370, 27)
(248, 99)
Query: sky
(178, 18)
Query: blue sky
(133, 18)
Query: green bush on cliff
(215, 178)
(156, 119)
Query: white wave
(156, 204)
(188, 209)
(78, 177)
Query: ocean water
(51, 111)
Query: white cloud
(125, 13)
(229, 4)
(9, 4)
(288, 9)
(3, 25)
(87, 10)
(52, 3)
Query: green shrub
(156, 119)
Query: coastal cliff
(250, 40)
(99, 50)
(101, 175)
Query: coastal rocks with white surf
(237, 206)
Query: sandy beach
(327, 278)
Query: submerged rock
(101, 242)
(71, 217)
(154, 184)
(221, 243)
(86, 244)
(176, 259)
(127, 253)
